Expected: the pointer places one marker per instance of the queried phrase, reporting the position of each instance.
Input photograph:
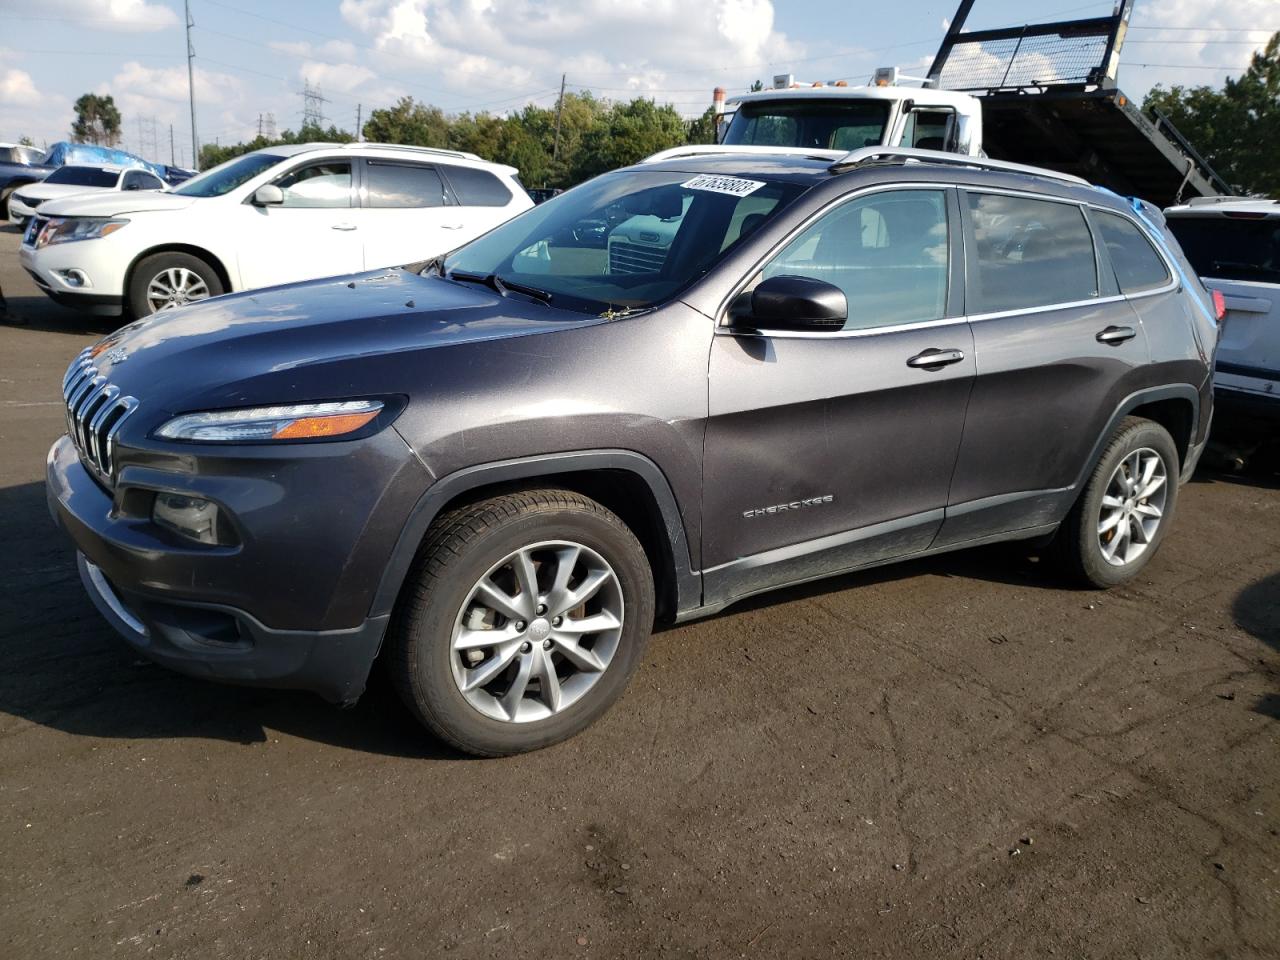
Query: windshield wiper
(498, 285)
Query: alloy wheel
(175, 286)
(1132, 507)
(537, 631)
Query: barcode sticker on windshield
(734, 186)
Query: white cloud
(17, 87)
(483, 48)
(122, 15)
(342, 77)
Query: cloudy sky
(253, 57)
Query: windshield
(84, 176)
(1231, 247)
(20, 155)
(225, 177)
(623, 241)
(820, 124)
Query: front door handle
(451, 226)
(933, 357)
(1114, 336)
(344, 226)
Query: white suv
(274, 216)
(1234, 245)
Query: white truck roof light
(885, 77)
(783, 81)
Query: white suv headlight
(67, 229)
(300, 421)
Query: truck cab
(836, 116)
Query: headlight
(301, 421)
(66, 229)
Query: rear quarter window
(1138, 267)
(476, 188)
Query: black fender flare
(1175, 391)
(688, 584)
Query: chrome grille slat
(95, 411)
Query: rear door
(829, 450)
(1058, 348)
(408, 213)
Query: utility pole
(259, 126)
(172, 161)
(191, 88)
(555, 148)
(359, 126)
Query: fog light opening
(192, 517)
(74, 278)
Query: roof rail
(863, 155)
(702, 149)
(409, 148)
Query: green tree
(1237, 128)
(408, 122)
(25, 141)
(703, 129)
(626, 134)
(97, 120)
(211, 155)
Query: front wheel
(522, 622)
(166, 281)
(1125, 509)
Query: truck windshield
(225, 177)
(623, 241)
(1231, 248)
(827, 124)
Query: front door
(831, 450)
(315, 232)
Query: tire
(190, 278)
(1092, 529)
(4, 204)
(444, 608)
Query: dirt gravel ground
(955, 758)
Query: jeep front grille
(627, 257)
(95, 412)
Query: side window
(403, 185)
(1138, 267)
(140, 180)
(888, 252)
(928, 130)
(477, 188)
(1028, 253)
(326, 184)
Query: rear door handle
(933, 357)
(1116, 335)
(344, 226)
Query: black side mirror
(797, 303)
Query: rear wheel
(522, 622)
(1126, 507)
(166, 281)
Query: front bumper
(101, 292)
(137, 583)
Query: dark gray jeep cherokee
(677, 385)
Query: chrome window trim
(922, 325)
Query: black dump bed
(1049, 98)
(1099, 135)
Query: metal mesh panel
(1035, 61)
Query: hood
(323, 339)
(115, 203)
(57, 191)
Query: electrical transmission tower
(148, 141)
(312, 105)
